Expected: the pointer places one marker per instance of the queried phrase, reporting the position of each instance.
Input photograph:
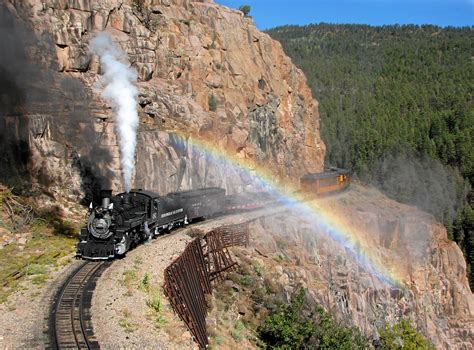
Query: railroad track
(70, 318)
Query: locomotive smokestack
(105, 197)
(126, 198)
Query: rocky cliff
(205, 72)
(432, 288)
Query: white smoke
(121, 92)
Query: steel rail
(70, 315)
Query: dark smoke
(33, 95)
(13, 126)
(423, 182)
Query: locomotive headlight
(99, 225)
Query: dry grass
(32, 261)
(126, 323)
(129, 281)
(49, 239)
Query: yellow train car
(330, 181)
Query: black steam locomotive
(125, 220)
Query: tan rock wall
(434, 292)
(187, 53)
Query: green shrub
(259, 269)
(236, 332)
(212, 102)
(219, 340)
(160, 321)
(154, 302)
(246, 280)
(245, 9)
(287, 328)
(329, 335)
(290, 326)
(402, 336)
(35, 269)
(127, 325)
(39, 279)
(145, 282)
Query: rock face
(205, 73)
(405, 242)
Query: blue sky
(271, 13)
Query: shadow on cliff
(13, 123)
(39, 105)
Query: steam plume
(120, 91)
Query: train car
(329, 181)
(249, 201)
(201, 203)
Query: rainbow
(327, 220)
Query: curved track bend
(70, 319)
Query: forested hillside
(396, 106)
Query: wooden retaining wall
(190, 276)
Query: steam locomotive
(125, 220)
